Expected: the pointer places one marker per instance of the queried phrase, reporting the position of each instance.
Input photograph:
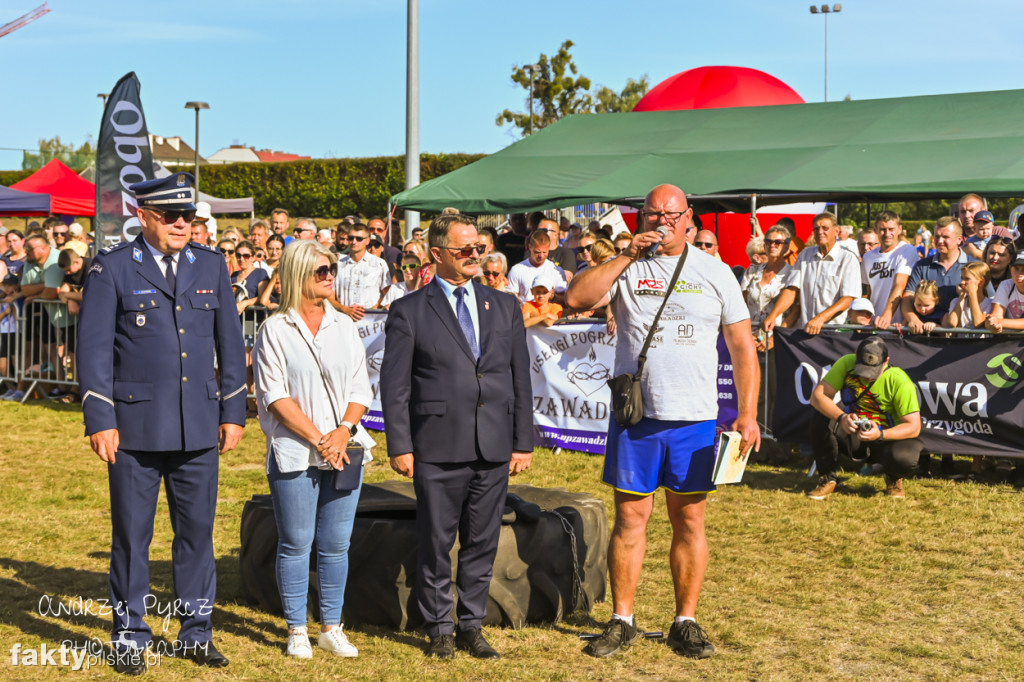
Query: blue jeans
(307, 507)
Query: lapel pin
(137, 255)
(487, 305)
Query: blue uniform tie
(465, 321)
(169, 272)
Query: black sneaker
(948, 468)
(689, 639)
(617, 636)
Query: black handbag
(627, 397)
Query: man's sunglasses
(171, 217)
(410, 267)
(350, 238)
(321, 272)
(467, 251)
(704, 245)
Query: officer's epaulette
(204, 247)
(114, 247)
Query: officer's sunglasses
(467, 251)
(321, 272)
(170, 217)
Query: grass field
(859, 586)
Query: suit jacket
(146, 354)
(441, 404)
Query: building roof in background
(239, 153)
(172, 150)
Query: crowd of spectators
(964, 272)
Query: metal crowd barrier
(44, 355)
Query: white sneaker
(335, 641)
(298, 644)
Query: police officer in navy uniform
(156, 314)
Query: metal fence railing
(43, 357)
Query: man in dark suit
(455, 387)
(155, 313)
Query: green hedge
(324, 187)
(9, 177)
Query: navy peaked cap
(177, 191)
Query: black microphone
(663, 231)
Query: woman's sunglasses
(321, 272)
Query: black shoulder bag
(627, 398)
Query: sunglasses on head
(321, 272)
(170, 217)
(467, 251)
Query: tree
(558, 90)
(607, 101)
(55, 149)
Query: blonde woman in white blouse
(761, 285)
(312, 388)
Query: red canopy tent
(69, 194)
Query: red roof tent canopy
(717, 87)
(720, 87)
(69, 194)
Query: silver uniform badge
(140, 319)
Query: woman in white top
(761, 285)
(311, 391)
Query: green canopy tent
(905, 148)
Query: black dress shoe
(129, 662)
(204, 653)
(442, 646)
(473, 641)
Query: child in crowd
(971, 308)
(861, 312)
(541, 310)
(1008, 306)
(926, 299)
(976, 243)
(9, 326)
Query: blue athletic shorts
(675, 455)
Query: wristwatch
(352, 428)
(881, 433)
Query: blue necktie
(169, 272)
(465, 321)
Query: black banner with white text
(971, 390)
(123, 157)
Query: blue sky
(328, 78)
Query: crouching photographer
(877, 418)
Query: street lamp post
(197, 106)
(825, 11)
(412, 108)
(104, 96)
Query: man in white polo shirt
(827, 279)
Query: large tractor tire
(551, 557)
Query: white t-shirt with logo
(1011, 299)
(880, 269)
(680, 379)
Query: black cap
(872, 354)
